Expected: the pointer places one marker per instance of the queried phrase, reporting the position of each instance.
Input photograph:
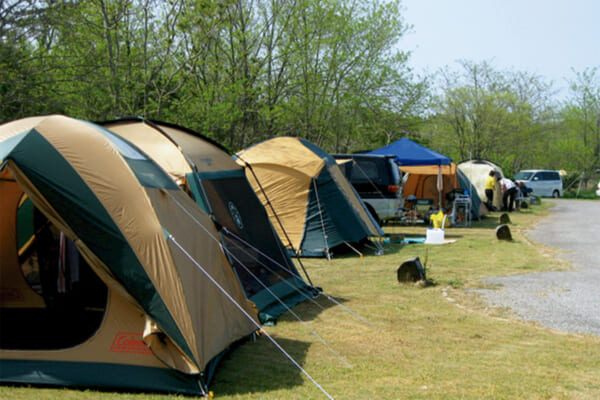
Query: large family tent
(310, 203)
(431, 175)
(477, 171)
(106, 280)
(219, 185)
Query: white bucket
(434, 236)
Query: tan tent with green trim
(310, 202)
(106, 279)
(219, 186)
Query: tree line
(240, 71)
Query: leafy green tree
(347, 71)
(238, 70)
(489, 114)
(579, 143)
(23, 73)
(325, 70)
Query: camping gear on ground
(434, 236)
(206, 170)
(439, 219)
(468, 189)
(310, 203)
(461, 210)
(154, 303)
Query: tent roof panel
(407, 152)
(288, 151)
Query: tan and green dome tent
(218, 184)
(310, 202)
(106, 279)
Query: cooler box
(434, 236)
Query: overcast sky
(544, 37)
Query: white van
(542, 182)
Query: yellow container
(438, 219)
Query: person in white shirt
(509, 193)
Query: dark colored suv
(376, 178)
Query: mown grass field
(433, 341)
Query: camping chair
(461, 211)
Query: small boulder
(504, 218)
(503, 232)
(411, 271)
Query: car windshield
(523, 175)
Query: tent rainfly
(219, 186)
(106, 280)
(310, 203)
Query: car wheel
(555, 194)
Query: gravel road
(568, 300)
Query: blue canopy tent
(424, 165)
(407, 152)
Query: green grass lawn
(433, 341)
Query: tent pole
(440, 186)
(354, 249)
(321, 217)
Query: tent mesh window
(74, 298)
(255, 270)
